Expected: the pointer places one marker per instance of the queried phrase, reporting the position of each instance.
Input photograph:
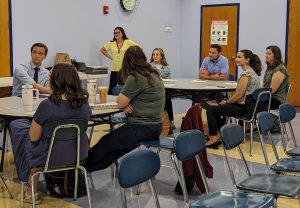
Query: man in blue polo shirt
(215, 66)
(32, 73)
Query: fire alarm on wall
(105, 9)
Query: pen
(221, 86)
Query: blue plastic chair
(64, 152)
(287, 113)
(265, 123)
(136, 168)
(188, 145)
(232, 136)
(260, 95)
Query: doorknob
(232, 58)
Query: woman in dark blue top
(67, 101)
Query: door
(4, 43)
(293, 51)
(223, 13)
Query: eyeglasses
(116, 33)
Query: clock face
(128, 5)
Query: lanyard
(119, 48)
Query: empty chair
(287, 113)
(135, 168)
(65, 135)
(262, 97)
(188, 145)
(265, 123)
(185, 146)
(232, 136)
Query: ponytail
(254, 61)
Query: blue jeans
(118, 143)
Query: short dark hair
(216, 46)
(42, 45)
(64, 79)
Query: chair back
(287, 112)
(188, 144)
(138, 167)
(117, 89)
(232, 135)
(231, 77)
(265, 123)
(262, 98)
(64, 149)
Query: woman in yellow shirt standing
(117, 47)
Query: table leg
(5, 127)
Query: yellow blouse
(118, 54)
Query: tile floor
(105, 195)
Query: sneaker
(28, 199)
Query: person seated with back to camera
(30, 148)
(32, 73)
(142, 98)
(159, 62)
(236, 105)
(276, 76)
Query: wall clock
(128, 5)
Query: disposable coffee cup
(103, 94)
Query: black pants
(118, 143)
(169, 108)
(216, 115)
(275, 103)
(112, 81)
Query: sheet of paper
(169, 80)
(169, 85)
(199, 81)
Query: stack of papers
(102, 106)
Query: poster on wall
(219, 32)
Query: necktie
(36, 74)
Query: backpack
(61, 184)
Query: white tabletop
(13, 107)
(6, 81)
(84, 76)
(199, 85)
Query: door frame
(237, 30)
(287, 24)
(10, 38)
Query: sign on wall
(219, 32)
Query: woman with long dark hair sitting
(142, 99)
(236, 104)
(276, 76)
(67, 101)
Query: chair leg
(5, 186)
(22, 194)
(251, 139)
(76, 184)
(91, 133)
(87, 185)
(138, 190)
(32, 189)
(154, 194)
(113, 168)
(180, 175)
(123, 198)
(91, 180)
